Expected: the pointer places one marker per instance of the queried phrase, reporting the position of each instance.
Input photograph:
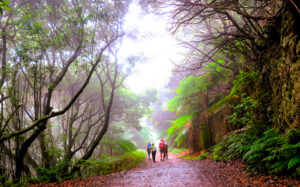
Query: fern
(296, 173)
(178, 125)
(255, 148)
(278, 167)
(272, 152)
(244, 148)
(181, 137)
(293, 162)
(293, 136)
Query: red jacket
(162, 145)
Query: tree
(45, 39)
(195, 95)
(219, 29)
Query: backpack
(153, 148)
(161, 145)
(149, 146)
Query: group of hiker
(163, 149)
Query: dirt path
(172, 172)
(178, 172)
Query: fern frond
(293, 162)
(278, 167)
(255, 158)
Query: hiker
(149, 150)
(162, 150)
(153, 149)
(166, 150)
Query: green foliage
(244, 113)
(135, 106)
(293, 136)
(243, 82)
(293, 162)
(182, 135)
(177, 150)
(107, 164)
(177, 131)
(272, 153)
(104, 165)
(189, 94)
(116, 140)
(205, 137)
(194, 94)
(46, 175)
(132, 159)
(178, 124)
(215, 66)
(126, 145)
(174, 103)
(10, 183)
(203, 155)
(49, 175)
(231, 147)
(4, 4)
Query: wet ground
(172, 172)
(178, 172)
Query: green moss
(298, 49)
(205, 137)
(202, 156)
(287, 22)
(175, 150)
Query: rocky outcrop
(281, 71)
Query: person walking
(162, 150)
(153, 149)
(166, 150)
(149, 150)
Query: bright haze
(153, 44)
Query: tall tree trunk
(107, 110)
(23, 150)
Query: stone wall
(281, 71)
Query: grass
(176, 150)
(184, 153)
(196, 156)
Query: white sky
(154, 43)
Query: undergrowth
(105, 164)
(201, 156)
(109, 164)
(178, 150)
(272, 153)
(264, 149)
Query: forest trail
(179, 172)
(173, 172)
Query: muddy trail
(171, 172)
(179, 172)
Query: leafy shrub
(205, 137)
(244, 81)
(242, 84)
(293, 136)
(46, 175)
(243, 113)
(132, 159)
(203, 156)
(124, 145)
(178, 131)
(108, 164)
(176, 150)
(272, 153)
